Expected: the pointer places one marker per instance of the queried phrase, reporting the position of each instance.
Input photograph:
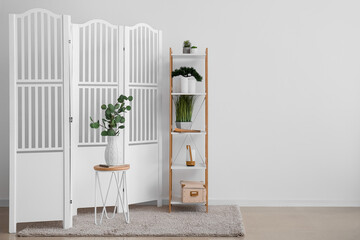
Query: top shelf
(188, 55)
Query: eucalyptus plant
(114, 117)
(184, 106)
(186, 71)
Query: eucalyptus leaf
(111, 132)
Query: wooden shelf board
(191, 133)
(182, 166)
(192, 94)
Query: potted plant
(187, 46)
(189, 75)
(194, 50)
(184, 105)
(112, 125)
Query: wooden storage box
(193, 192)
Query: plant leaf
(111, 132)
(118, 118)
(111, 108)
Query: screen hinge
(71, 119)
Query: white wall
(284, 91)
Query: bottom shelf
(177, 201)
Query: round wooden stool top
(113, 168)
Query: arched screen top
(143, 44)
(39, 46)
(98, 52)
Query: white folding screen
(39, 130)
(142, 141)
(60, 75)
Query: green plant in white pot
(187, 73)
(187, 46)
(184, 106)
(112, 125)
(194, 50)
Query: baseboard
(282, 203)
(4, 202)
(259, 203)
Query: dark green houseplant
(187, 72)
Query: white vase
(184, 85)
(192, 84)
(113, 151)
(194, 51)
(177, 84)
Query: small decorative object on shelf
(184, 84)
(184, 108)
(112, 123)
(191, 84)
(194, 50)
(193, 192)
(190, 162)
(189, 76)
(187, 46)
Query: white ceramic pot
(113, 151)
(177, 84)
(194, 51)
(183, 125)
(192, 84)
(184, 85)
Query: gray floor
(271, 223)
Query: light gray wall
(284, 91)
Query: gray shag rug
(150, 221)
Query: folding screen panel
(97, 79)
(39, 130)
(142, 141)
(61, 73)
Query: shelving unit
(200, 165)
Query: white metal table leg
(127, 201)
(121, 186)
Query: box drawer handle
(194, 193)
